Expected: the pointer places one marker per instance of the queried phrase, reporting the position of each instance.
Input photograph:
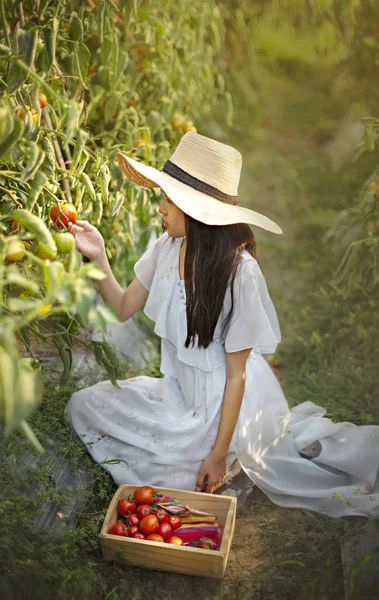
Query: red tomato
(149, 524)
(143, 510)
(118, 529)
(138, 536)
(165, 530)
(174, 539)
(154, 537)
(131, 530)
(174, 522)
(132, 519)
(69, 214)
(125, 507)
(161, 515)
(144, 495)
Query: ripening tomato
(131, 530)
(42, 100)
(165, 530)
(149, 524)
(174, 539)
(143, 510)
(174, 522)
(154, 537)
(161, 515)
(132, 519)
(138, 536)
(125, 507)
(144, 495)
(69, 214)
(15, 250)
(118, 529)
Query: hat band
(174, 171)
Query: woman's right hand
(88, 240)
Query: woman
(218, 400)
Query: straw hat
(201, 178)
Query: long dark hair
(213, 253)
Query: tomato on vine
(63, 214)
(65, 242)
(15, 250)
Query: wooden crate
(168, 557)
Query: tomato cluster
(140, 519)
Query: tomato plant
(149, 524)
(144, 495)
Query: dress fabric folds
(161, 429)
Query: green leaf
(118, 204)
(50, 37)
(27, 44)
(111, 370)
(108, 313)
(23, 282)
(75, 28)
(369, 137)
(72, 122)
(83, 307)
(110, 354)
(34, 224)
(8, 376)
(83, 56)
(89, 185)
(92, 271)
(7, 144)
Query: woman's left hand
(214, 468)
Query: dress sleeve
(145, 267)
(254, 322)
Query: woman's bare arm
(126, 301)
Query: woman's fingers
(86, 226)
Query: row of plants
(80, 81)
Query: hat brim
(197, 205)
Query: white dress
(161, 429)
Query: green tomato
(65, 242)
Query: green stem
(5, 23)
(21, 64)
(31, 437)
